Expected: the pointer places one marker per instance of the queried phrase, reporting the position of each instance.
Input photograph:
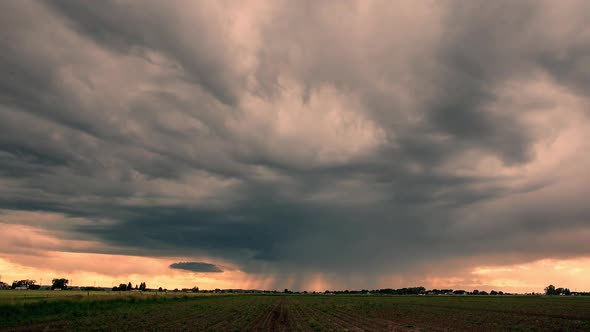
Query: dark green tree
(60, 283)
(550, 290)
(24, 283)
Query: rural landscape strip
(295, 312)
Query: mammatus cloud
(366, 143)
(196, 267)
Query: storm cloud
(196, 267)
(354, 139)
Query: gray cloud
(196, 267)
(348, 138)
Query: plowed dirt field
(301, 313)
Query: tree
(122, 287)
(61, 283)
(493, 292)
(550, 290)
(195, 289)
(129, 286)
(24, 283)
(142, 286)
(567, 291)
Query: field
(113, 311)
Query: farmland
(111, 311)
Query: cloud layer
(352, 140)
(196, 267)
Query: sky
(296, 144)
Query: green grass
(30, 296)
(315, 325)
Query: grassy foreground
(19, 297)
(192, 312)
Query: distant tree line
(127, 287)
(415, 291)
(62, 284)
(388, 291)
(401, 291)
(552, 290)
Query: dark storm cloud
(135, 27)
(196, 267)
(289, 137)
